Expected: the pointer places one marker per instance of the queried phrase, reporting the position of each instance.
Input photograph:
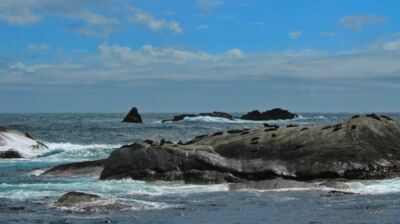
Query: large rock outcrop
(213, 114)
(16, 144)
(274, 114)
(365, 147)
(133, 116)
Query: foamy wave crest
(60, 151)
(236, 121)
(375, 186)
(73, 147)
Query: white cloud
(392, 45)
(125, 64)
(295, 35)
(18, 12)
(41, 47)
(116, 55)
(235, 53)
(149, 21)
(358, 22)
(25, 12)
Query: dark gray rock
(77, 169)
(10, 154)
(213, 114)
(133, 116)
(274, 114)
(88, 202)
(77, 197)
(371, 151)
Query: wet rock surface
(81, 201)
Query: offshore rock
(213, 114)
(274, 114)
(365, 147)
(133, 116)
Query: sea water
(28, 197)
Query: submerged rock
(16, 144)
(370, 151)
(274, 114)
(88, 202)
(213, 114)
(133, 116)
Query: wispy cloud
(207, 5)
(358, 22)
(150, 22)
(40, 47)
(18, 12)
(328, 34)
(202, 26)
(295, 34)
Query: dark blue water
(27, 197)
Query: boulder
(17, 144)
(274, 114)
(88, 202)
(133, 116)
(366, 147)
(213, 114)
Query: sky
(199, 55)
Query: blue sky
(201, 55)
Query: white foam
(375, 186)
(237, 120)
(17, 141)
(66, 146)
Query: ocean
(27, 197)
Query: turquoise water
(27, 197)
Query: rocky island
(364, 147)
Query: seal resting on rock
(133, 116)
(274, 114)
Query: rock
(17, 144)
(133, 116)
(274, 114)
(213, 114)
(76, 197)
(77, 169)
(88, 202)
(371, 151)
(10, 154)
